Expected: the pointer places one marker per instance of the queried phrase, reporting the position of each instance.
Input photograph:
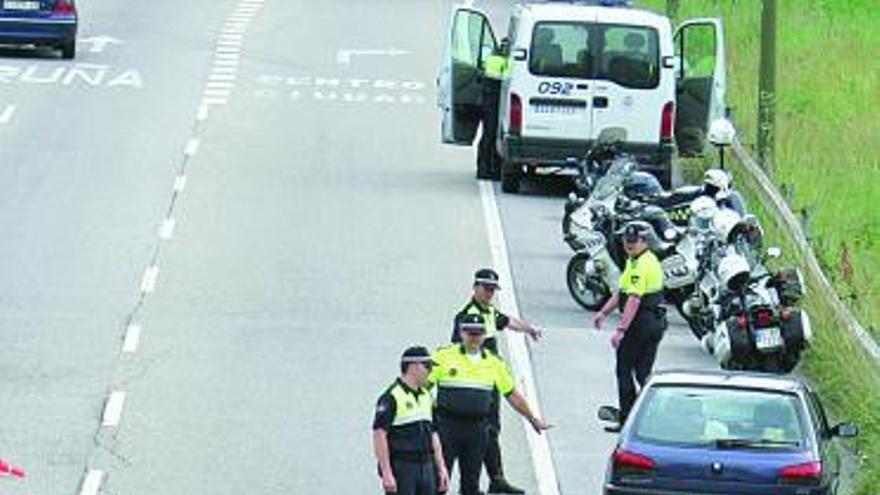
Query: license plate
(21, 5)
(557, 110)
(768, 338)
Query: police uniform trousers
(464, 440)
(493, 449)
(486, 152)
(636, 354)
(415, 475)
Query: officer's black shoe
(500, 485)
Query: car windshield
(725, 417)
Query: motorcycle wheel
(566, 223)
(589, 291)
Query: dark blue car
(730, 433)
(50, 23)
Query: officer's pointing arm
(522, 406)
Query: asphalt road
(322, 228)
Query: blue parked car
(724, 432)
(40, 23)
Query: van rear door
(701, 82)
(628, 87)
(459, 95)
(558, 85)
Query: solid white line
(192, 147)
(148, 283)
(542, 459)
(166, 230)
(202, 114)
(113, 409)
(132, 339)
(179, 183)
(92, 482)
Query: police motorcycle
(593, 167)
(593, 271)
(747, 313)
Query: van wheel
(510, 178)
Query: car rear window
(702, 415)
(624, 54)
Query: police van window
(696, 48)
(561, 49)
(630, 56)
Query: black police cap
(472, 322)
(486, 276)
(416, 354)
(633, 232)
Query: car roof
(728, 379)
(575, 11)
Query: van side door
(701, 82)
(459, 95)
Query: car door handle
(600, 102)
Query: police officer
(495, 68)
(484, 288)
(466, 375)
(405, 440)
(643, 319)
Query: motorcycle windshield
(611, 182)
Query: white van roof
(577, 11)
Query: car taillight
(806, 473)
(626, 462)
(516, 114)
(764, 317)
(667, 120)
(64, 7)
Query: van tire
(510, 178)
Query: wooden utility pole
(767, 87)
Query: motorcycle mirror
(572, 197)
(669, 234)
(774, 252)
(609, 413)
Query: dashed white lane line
(179, 183)
(227, 49)
(220, 85)
(7, 114)
(132, 339)
(113, 409)
(192, 147)
(222, 93)
(222, 77)
(166, 230)
(92, 482)
(226, 63)
(542, 458)
(148, 283)
(227, 56)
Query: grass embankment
(828, 157)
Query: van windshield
(624, 54)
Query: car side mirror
(520, 54)
(845, 430)
(609, 413)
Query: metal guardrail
(784, 215)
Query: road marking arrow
(100, 42)
(344, 56)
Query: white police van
(578, 67)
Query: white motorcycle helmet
(721, 132)
(734, 272)
(717, 183)
(703, 209)
(727, 222)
